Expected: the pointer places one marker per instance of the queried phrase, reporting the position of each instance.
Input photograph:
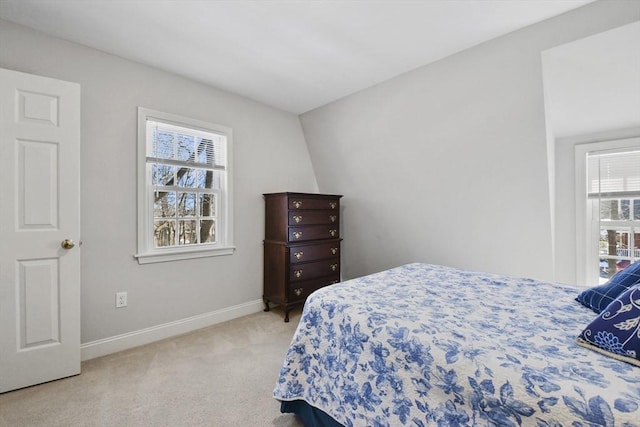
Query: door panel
(40, 207)
(37, 198)
(38, 303)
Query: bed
(427, 345)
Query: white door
(39, 209)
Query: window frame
(587, 213)
(146, 252)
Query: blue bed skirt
(310, 416)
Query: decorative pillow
(616, 331)
(598, 297)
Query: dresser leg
(286, 315)
(266, 305)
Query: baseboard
(109, 345)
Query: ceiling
(295, 55)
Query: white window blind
(614, 175)
(181, 146)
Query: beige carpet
(222, 375)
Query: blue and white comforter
(425, 345)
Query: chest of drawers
(301, 246)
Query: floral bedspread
(426, 345)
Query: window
(607, 180)
(614, 197)
(184, 188)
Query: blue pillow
(598, 297)
(616, 331)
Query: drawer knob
(298, 255)
(332, 218)
(334, 267)
(334, 251)
(297, 218)
(333, 205)
(297, 204)
(333, 233)
(297, 273)
(298, 291)
(297, 234)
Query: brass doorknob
(67, 244)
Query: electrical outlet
(121, 299)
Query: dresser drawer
(304, 253)
(303, 203)
(312, 270)
(313, 217)
(313, 232)
(301, 290)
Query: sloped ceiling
(293, 55)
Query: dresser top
(302, 194)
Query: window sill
(177, 255)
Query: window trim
(586, 226)
(146, 252)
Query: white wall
(448, 164)
(270, 155)
(592, 94)
(593, 84)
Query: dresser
(301, 246)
